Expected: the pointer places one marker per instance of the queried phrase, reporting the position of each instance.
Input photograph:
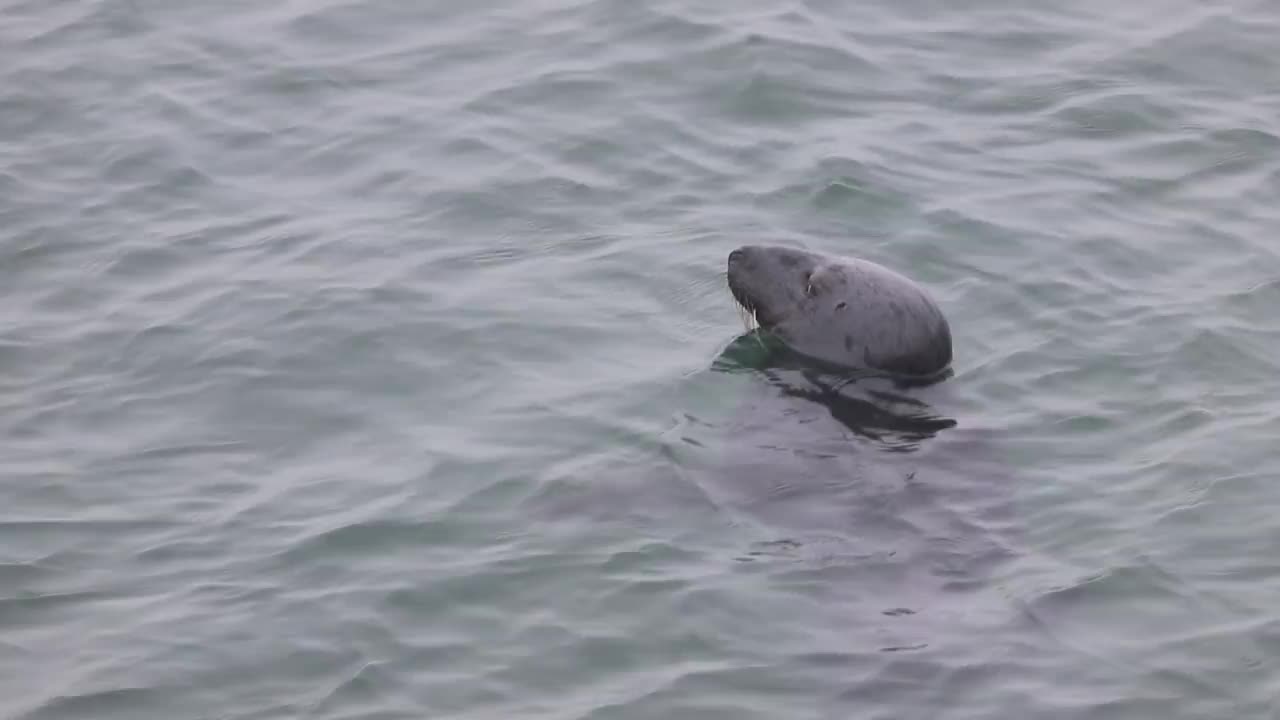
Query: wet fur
(844, 312)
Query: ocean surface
(374, 359)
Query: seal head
(842, 311)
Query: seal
(845, 312)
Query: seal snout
(748, 255)
(739, 263)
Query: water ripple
(359, 359)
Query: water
(366, 359)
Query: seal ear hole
(841, 305)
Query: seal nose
(737, 257)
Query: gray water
(373, 359)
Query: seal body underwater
(845, 312)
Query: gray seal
(846, 312)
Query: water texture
(373, 359)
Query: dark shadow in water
(872, 405)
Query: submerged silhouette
(871, 405)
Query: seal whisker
(749, 320)
(746, 314)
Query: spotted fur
(847, 312)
